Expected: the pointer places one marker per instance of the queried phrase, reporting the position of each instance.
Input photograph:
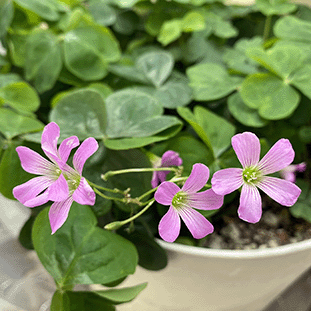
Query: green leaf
(170, 31)
(47, 9)
(221, 28)
(6, 79)
(126, 23)
(156, 66)
(87, 51)
(121, 295)
(241, 112)
(103, 13)
(135, 114)
(218, 130)
(60, 301)
(211, 81)
(17, 47)
(275, 7)
(13, 124)
(11, 172)
(43, 61)
(293, 28)
(193, 21)
(25, 234)
(81, 113)
(301, 79)
(20, 96)
(81, 253)
(6, 16)
(272, 97)
(151, 255)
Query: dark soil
(276, 227)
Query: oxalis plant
(167, 115)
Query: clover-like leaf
(170, 31)
(275, 7)
(43, 61)
(273, 98)
(132, 113)
(211, 81)
(80, 252)
(87, 51)
(243, 113)
(81, 113)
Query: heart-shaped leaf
(81, 253)
(267, 93)
(87, 51)
(81, 113)
(43, 60)
(211, 81)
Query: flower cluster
(62, 184)
(58, 182)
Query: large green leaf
(243, 113)
(81, 113)
(301, 79)
(81, 253)
(275, 7)
(13, 124)
(133, 113)
(43, 61)
(21, 96)
(87, 51)
(103, 13)
(293, 28)
(47, 9)
(6, 15)
(211, 81)
(267, 93)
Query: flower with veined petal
(183, 203)
(253, 175)
(58, 181)
(169, 158)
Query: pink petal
(197, 224)
(169, 225)
(250, 204)
(84, 194)
(170, 158)
(206, 200)
(59, 191)
(165, 193)
(58, 213)
(227, 180)
(282, 191)
(197, 179)
(279, 156)
(155, 180)
(32, 162)
(66, 146)
(247, 148)
(27, 193)
(86, 149)
(162, 175)
(49, 140)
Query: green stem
(137, 170)
(117, 224)
(146, 193)
(267, 28)
(105, 189)
(107, 197)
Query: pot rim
(237, 254)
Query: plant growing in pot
(178, 106)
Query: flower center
(179, 199)
(73, 184)
(251, 174)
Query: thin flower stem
(106, 189)
(267, 28)
(147, 193)
(107, 197)
(137, 170)
(117, 224)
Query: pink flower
(253, 175)
(57, 182)
(169, 158)
(182, 203)
(288, 173)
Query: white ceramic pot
(198, 279)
